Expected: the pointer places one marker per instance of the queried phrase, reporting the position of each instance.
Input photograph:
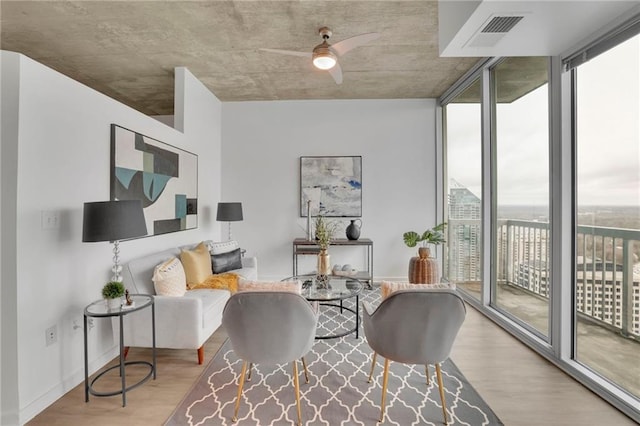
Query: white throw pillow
(221, 247)
(388, 287)
(169, 278)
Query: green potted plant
(433, 236)
(423, 268)
(325, 231)
(113, 292)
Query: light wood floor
(520, 386)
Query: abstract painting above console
(333, 184)
(164, 177)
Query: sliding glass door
(521, 190)
(463, 130)
(607, 268)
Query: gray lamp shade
(113, 221)
(229, 212)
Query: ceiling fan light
(324, 62)
(323, 58)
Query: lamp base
(116, 268)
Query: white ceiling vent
(493, 30)
(501, 24)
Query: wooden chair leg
(296, 385)
(373, 365)
(201, 355)
(240, 385)
(249, 373)
(441, 387)
(426, 371)
(384, 388)
(306, 372)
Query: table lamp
(113, 221)
(229, 212)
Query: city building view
(515, 168)
(607, 275)
(465, 244)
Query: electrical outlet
(51, 335)
(50, 219)
(77, 326)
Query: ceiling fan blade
(336, 73)
(342, 47)
(288, 52)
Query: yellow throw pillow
(290, 286)
(388, 287)
(197, 264)
(169, 278)
(225, 281)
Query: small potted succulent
(112, 293)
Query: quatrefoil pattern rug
(337, 392)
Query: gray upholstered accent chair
(270, 328)
(414, 327)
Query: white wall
(63, 140)
(262, 143)
(9, 86)
(201, 120)
(55, 157)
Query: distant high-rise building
(464, 234)
(600, 293)
(522, 253)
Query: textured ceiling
(128, 50)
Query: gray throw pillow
(225, 262)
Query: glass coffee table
(336, 289)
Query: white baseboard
(77, 377)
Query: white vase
(114, 303)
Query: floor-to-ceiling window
(607, 255)
(463, 190)
(521, 190)
(558, 149)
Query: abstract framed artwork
(333, 184)
(164, 177)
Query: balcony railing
(606, 292)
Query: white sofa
(181, 322)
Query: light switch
(50, 219)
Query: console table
(302, 246)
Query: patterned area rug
(337, 392)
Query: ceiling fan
(325, 56)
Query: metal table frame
(302, 246)
(324, 301)
(142, 301)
